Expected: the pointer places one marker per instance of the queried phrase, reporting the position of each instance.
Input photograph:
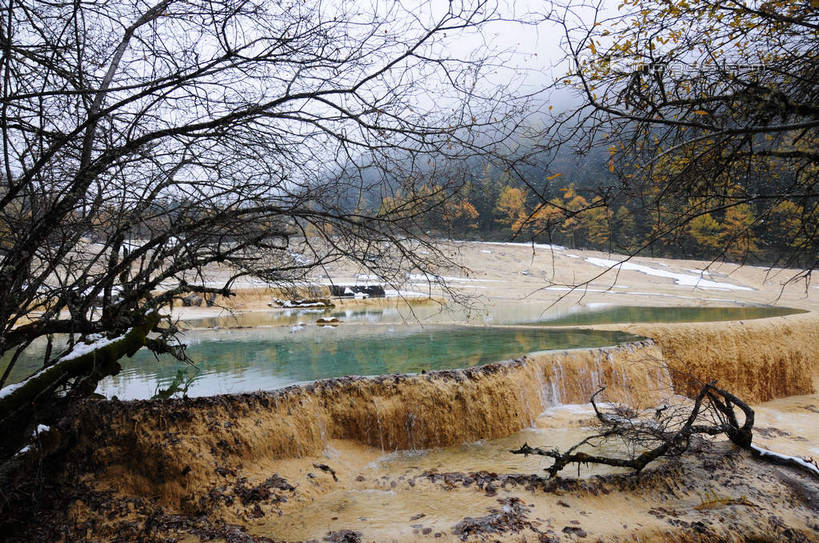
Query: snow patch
(578, 289)
(296, 303)
(389, 293)
(97, 343)
(24, 450)
(300, 259)
(803, 463)
(451, 279)
(78, 350)
(6, 390)
(700, 272)
(681, 279)
(545, 246)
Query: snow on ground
(700, 272)
(765, 452)
(682, 279)
(450, 279)
(579, 289)
(545, 246)
(78, 350)
(389, 293)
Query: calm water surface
(232, 361)
(605, 314)
(284, 347)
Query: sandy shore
(284, 468)
(561, 278)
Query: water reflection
(265, 350)
(231, 361)
(498, 313)
(609, 314)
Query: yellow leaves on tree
(737, 236)
(459, 215)
(511, 208)
(705, 232)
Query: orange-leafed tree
(511, 208)
(701, 101)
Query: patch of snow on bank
(451, 279)
(700, 272)
(545, 246)
(389, 293)
(765, 452)
(681, 279)
(300, 259)
(79, 349)
(578, 289)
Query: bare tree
(148, 145)
(701, 109)
(667, 431)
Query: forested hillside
(587, 208)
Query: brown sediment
(759, 360)
(717, 494)
(168, 448)
(260, 299)
(171, 448)
(215, 467)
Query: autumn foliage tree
(709, 111)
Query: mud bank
(170, 448)
(759, 360)
(256, 301)
(308, 462)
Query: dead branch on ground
(667, 433)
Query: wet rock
(343, 536)
(328, 321)
(192, 300)
(256, 512)
(575, 530)
(262, 491)
(349, 291)
(511, 517)
(327, 469)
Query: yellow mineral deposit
(409, 457)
